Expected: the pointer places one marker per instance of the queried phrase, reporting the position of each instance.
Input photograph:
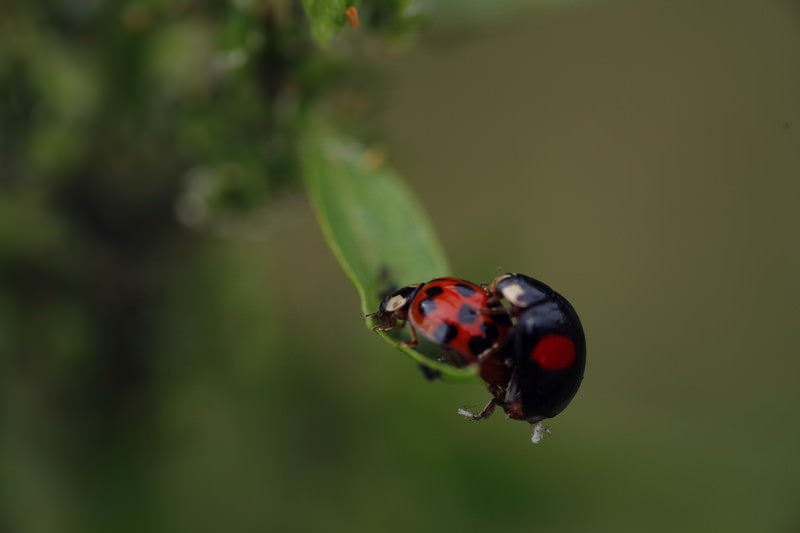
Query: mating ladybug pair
(531, 354)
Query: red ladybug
(457, 315)
(547, 349)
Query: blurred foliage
(223, 86)
(124, 125)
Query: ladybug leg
(488, 352)
(485, 412)
(538, 431)
(450, 358)
(384, 323)
(492, 350)
(491, 289)
(390, 324)
(429, 373)
(414, 340)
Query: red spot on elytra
(554, 352)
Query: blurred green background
(180, 351)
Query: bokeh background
(180, 351)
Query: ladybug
(547, 349)
(457, 315)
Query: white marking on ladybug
(514, 293)
(396, 302)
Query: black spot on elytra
(464, 290)
(426, 306)
(467, 314)
(490, 331)
(434, 291)
(478, 345)
(445, 333)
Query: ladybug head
(520, 291)
(395, 305)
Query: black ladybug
(547, 349)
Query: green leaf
(373, 224)
(326, 18)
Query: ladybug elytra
(451, 313)
(548, 348)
